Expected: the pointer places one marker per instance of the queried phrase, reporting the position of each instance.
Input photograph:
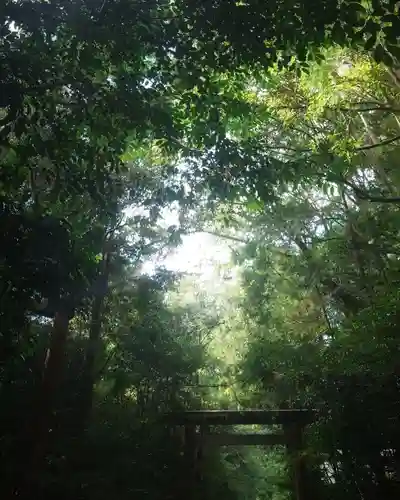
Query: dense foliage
(274, 127)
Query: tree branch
(381, 199)
(363, 195)
(389, 109)
(379, 144)
(105, 365)
(218, 235)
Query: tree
(286, 131)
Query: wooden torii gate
(197, 434)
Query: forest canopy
(271, 130)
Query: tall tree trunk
(39, 426)
(89, 375)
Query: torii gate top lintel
(240, 417)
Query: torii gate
(197, 434)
